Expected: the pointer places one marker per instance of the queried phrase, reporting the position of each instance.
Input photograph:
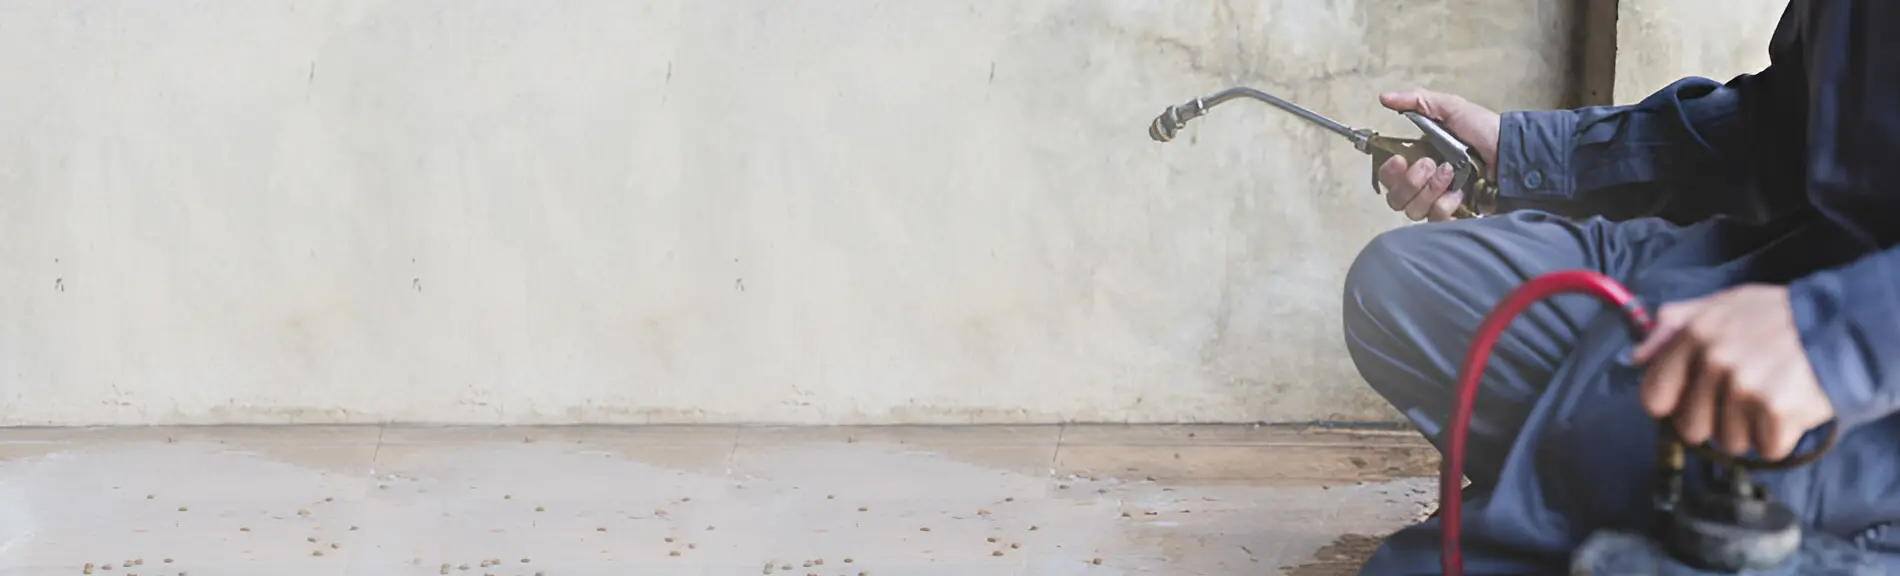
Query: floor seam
(375, 456)
(1062, 432)
(732, 453)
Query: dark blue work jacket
(1811, 142)
(1816, 134)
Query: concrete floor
(1085, 500)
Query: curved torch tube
(1437, 144)
(1170, 122)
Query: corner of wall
(1595, 53)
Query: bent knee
(1389, 266)
(1401, 286)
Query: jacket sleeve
(1695, 149)
(1849, 321)
(1849, 317)
(1678, 153)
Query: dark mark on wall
(312, 77)
(416, 283)
(739, 283)
(59, 284)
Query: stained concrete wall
(689, 211)
(1661, 41)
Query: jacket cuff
(1849, 319)
(1534, 156)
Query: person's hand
(1418, 190)
(1731, 367)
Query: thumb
(1425, 102)
(1669, 321)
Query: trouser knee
(1382, 285)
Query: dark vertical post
(1594, 53)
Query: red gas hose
(1450, 493)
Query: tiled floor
(1083, 500)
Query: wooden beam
(1594, 47)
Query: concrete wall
(688, 211)
(1661, 41)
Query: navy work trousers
(1559, 445)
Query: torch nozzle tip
(1165, 126)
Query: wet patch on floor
(1341, 557)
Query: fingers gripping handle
(1446, 149)
(1436, 143)
(1383, 148)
